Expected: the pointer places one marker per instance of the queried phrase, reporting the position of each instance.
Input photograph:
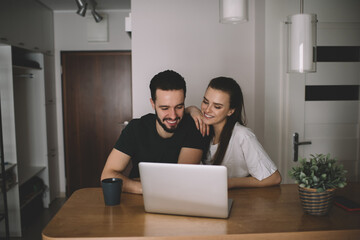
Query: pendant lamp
(301, 42)
(233, 11)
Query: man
(168, 136)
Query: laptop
(185, 189)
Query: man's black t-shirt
(142, 143)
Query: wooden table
(262, 213)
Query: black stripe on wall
(332, 93)
(338, 54)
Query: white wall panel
(335, 73)
(338, 34)
(342, 149)
(339, 130)
(331, 111)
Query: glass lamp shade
(233, 11)
(301, 43)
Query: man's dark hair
(167, 80)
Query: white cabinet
(27, 24)
(5, 21)
(24, 125)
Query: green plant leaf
(314, 168)
(320, 171)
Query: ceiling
(57, 5)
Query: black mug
(112, 188)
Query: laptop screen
(185, 189)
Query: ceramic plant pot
(316, 203)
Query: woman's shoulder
(241, 131)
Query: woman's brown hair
(231, 87)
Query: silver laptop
(185, 189)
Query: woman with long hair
(222, 118)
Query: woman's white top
(244, 155)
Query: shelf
(10, 177)
(30, 198)
(26, 173)
(8, 167)
(26, 68)
(8, 188)
(24, 59)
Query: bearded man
(168, 136)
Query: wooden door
(96, 101)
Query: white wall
(186, 36)
(70, 32)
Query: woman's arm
(273, 179)
(197, 116)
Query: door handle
(296, 144)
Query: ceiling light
(81, 7)
(233, 11)
(301, 42)
(96, 16)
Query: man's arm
(273, 179)
(115, 165)
(190, 155)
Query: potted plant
(318, 177)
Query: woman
(230, 143)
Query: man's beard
(169, 130)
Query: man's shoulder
(188, 126)
(191, 135)
(140, 124)
(148, 118)
(188, 121)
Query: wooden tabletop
(257, 213)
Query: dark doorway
(96, 101)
